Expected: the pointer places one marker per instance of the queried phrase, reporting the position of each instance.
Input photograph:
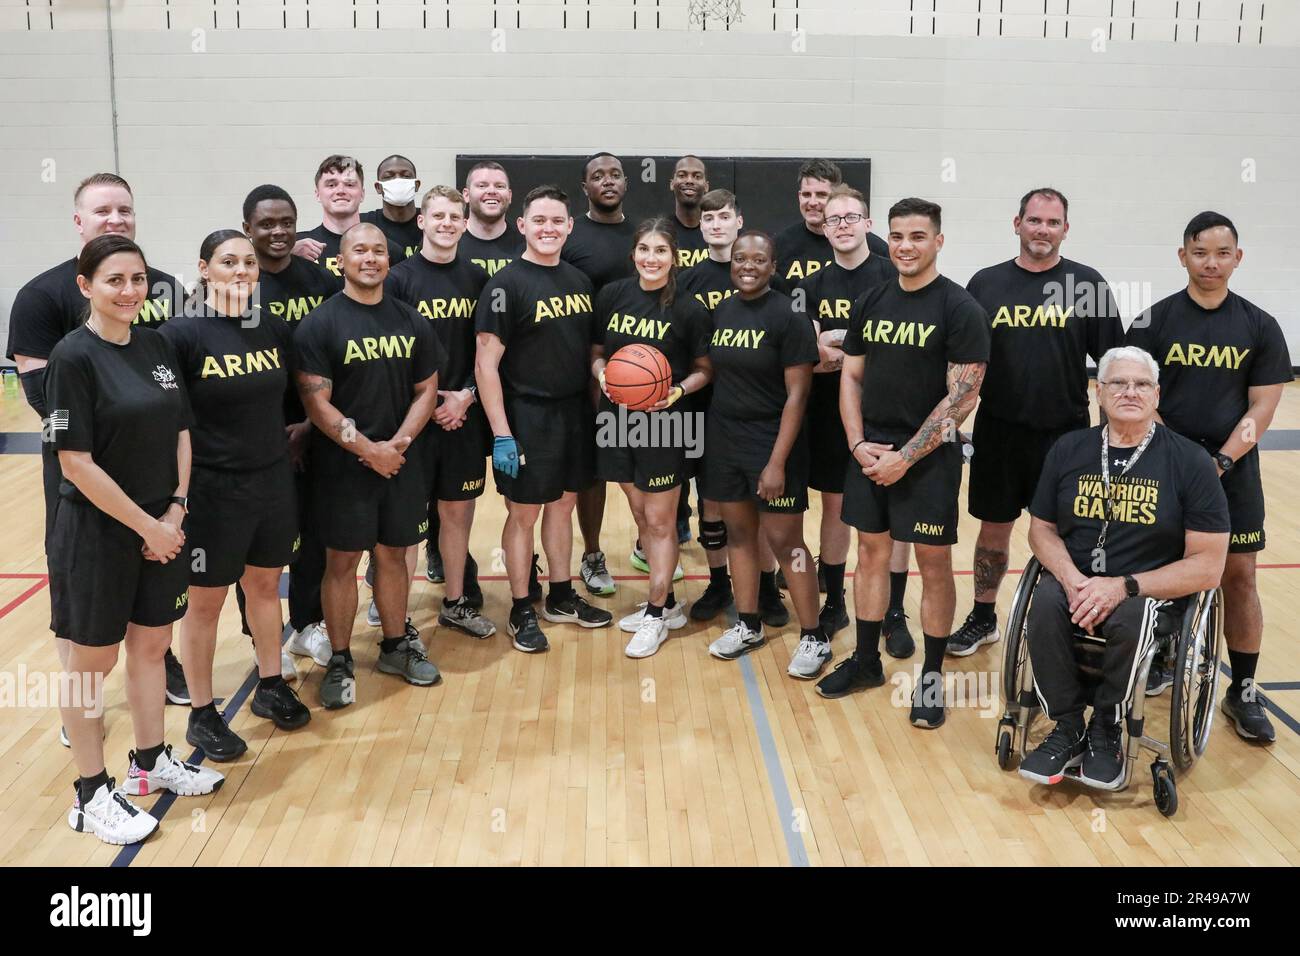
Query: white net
(721, 11)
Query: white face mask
(398, 192)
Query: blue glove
(505, 455)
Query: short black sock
(897, 588)
(267, 683)
(812, 634)
(751, 621)
(147, 757)
(834, 584)
(447, 603)
(671, 600)
(210, 705)
(560, 591)
(519, 605)
(985, 612)
(346, 654)
(390, 644)
(868, 640)
(720, 577)
(86, 786)
(1243, 666)
(767, 582)
(934, 650)
(654, 610)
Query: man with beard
(491, 240)
(802, 248)
(339, 190)
(398, 186)
(689, 184)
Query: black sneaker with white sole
(1103, 760)
(715, 599)
(178, 692)
(535, 580)
(927, 701)
(771, 609)
(281, 706)
(527, 634)
(208, 731)
(433, 572)
(1248, 717)
(972, 635)
(1062, 749)
(852, 674)
(575, 610)
(833, 618)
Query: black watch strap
(1225, 462)
(182, 501)
(1131, 586)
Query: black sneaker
(472, 592)
(178, 692)
(683, 530)
(898, 639)
(780, 580)
(1248, 716)
(852, 674)
(927, 702)
(772, 609)
(1161, 675)
(715, 599)
(528, 636)
(209, 732)
(1062, 750)
(575, 610)
(535, 580)
(833, 618)
(433, 571)
(1103, 761)
(971, 636)
(821, 576)
(281, 706)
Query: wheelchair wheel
(1196, 679)
(1015, 647)
(1164, 789)
(1004, 744)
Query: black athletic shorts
(557, 438)
(356, 508)
(51, 476)
(828, 446)
(738, 451)
(647, 449)
(240, 518)
(100, 580)
(456, 460)
(1006, 465)
(921, 507)
(1244, 488)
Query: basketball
(638, 376)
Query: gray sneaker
(809, 659)
(737, 641)
(466, 618)
(339, 688)
(596, 575)
(410, 664)
(372, 615)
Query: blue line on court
(775, 776)
(1280, 685)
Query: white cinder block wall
(1141, 134)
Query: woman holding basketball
(656, 346)
(763, 352)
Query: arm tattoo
(963, 388)
(309, 386)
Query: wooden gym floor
(582, 756)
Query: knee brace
(713, 535)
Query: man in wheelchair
(1125, 516)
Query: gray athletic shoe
(809, 659)
(737, 641)
(408, 663)
(339, 688)
(596, 575)
(465, 617)
(372, 615)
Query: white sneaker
(111, 817)
(171, 773)
(649, 637)
(674, 617)
(737, 641)
(372, 614)
(288, 670)
(63, 736)
(809, 659)
(314, 642)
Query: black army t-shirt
(691, 247)
(908, 340)
(236, 370)
(800, 253)
(492, 255)
(406, 236)
(1043, 327)
(754, 341)
(626, 314)
(1173, 488)
(1208, 360)
(50, 306)
(709, 282)
(374, 355)
(290, 295)
(602, 250)
(125, 404)
(542, 314)
(329, 257)
(445, 294)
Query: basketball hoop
(727, 11)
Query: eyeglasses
(1143, 386)
(852, 219)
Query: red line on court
(26, 594)
(22, 576)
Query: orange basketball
(638, 376)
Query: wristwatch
(1224, 461)
(184, 502)
(1131, 586)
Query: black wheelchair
(1192, 629)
